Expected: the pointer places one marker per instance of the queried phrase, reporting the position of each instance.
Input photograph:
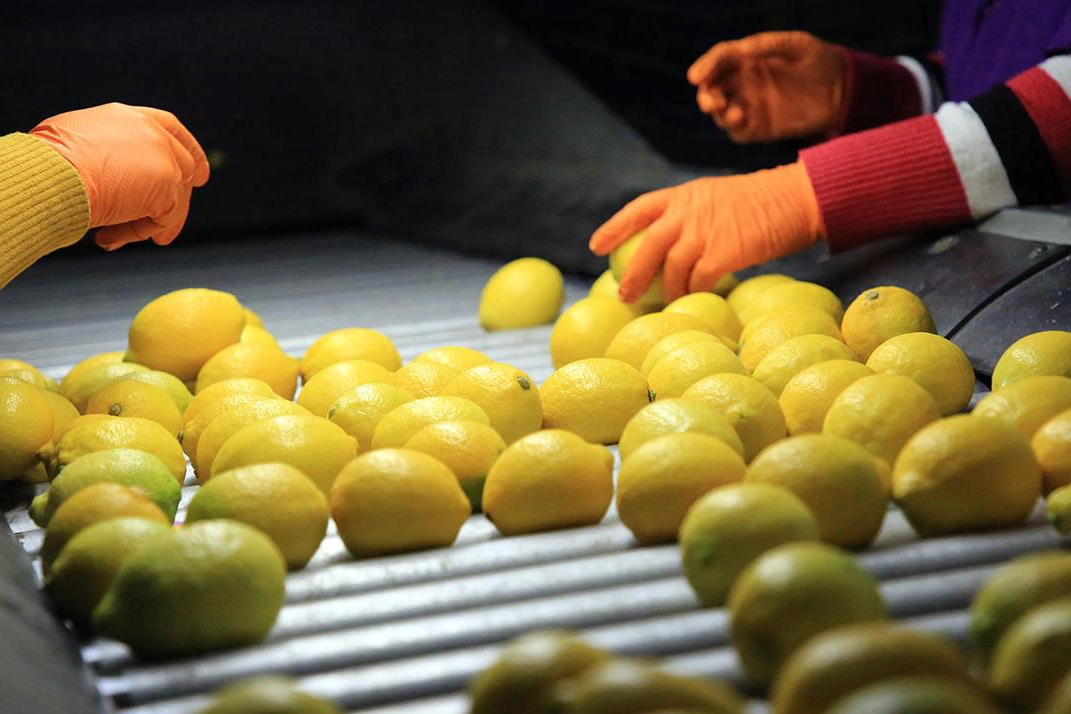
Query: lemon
(28, 374)
(506, 394)
(397, 500)
(26, 426)
(742, 297)
(191, 434)
(523, 674)
(586, 328)
(360, 410)
(672, 416)
(259, 361)
(127, 398)
(129, 467)
(548, 480)
(258, 335)
(594, 398)
(468, 448)
(273, 497)
(1052, 448)
(267, 695)
(965, 473)
(83, 571)
(807, 396)
(172, 385)
(349, 343)
(918, 695)
(790, 594)
(63, 413)
(179, 331)
(633, 341)
(712, 309)
(226, 388)
(671, 343)
(204, 587)
(837, 480)
(252, 318)
(423, 378)
(798, 292)
(684, 366)
(90, 381)
(97, 360)
(620, 258)
(94, 503)
(1058, 510)
(398, 426)
(730, 526)
(606, 286)
(880, 313)
(1040, 353)
(1033, 656)
(108, 432)
(792, 356)
(817, 320)
(750, 407)
(522, 293)
(1059, 701)
(320, 392)
(838, 662)
(662, 478)
(771, 330)
(935, 363)
(229, 423)
(8, 364)
(312, 444)
(460, 358)
(1027, 403)
(880, 413)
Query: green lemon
(916, 695)
(1033, 656)
(267, 695)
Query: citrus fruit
(175, 387)
(1040, 353)
(741, 299)
(798, 292)
(127, 398)
(26, 426)
(808, 395)
(191, 434)
(1058, 510)
(359, 410)
(259, 361)
(662, 478)
(63, 413)
(104, 432)
(1059, 701)
(203, 587)
(594, 398)
(935, 363)
(606, 286)
(349, 343)
(273, 497)
(522, 293)
(226, 388)
(507, 395)
(548, 480)
(672, 416)
(586, 328)
(671, 343)
(258, 335)
(320, 392)
(750, 407)
(229, 423)
(768, 331)
(267, 695)
(620, 258)
(423, 379)
(686, 365)
(1052, 448)
(917, 695)
(791, 593)
(795, 354)
(880, 313)
(460, 358)
(712, 309)
(398, 426)
(730, 526)
(27, 373)
(633, 341)
(397, 500)
(1027, 403)
(90, 381)
(178, 331)
(1032, 656)
(251, 317)
(97, 360)
(468, 448)
(965, 473)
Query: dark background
(506, 127)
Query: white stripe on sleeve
(980, 169)
(1059, 68)
(922, 81)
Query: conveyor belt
(405, 633)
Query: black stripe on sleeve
(1031, 169)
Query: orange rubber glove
(772, 85)
(139, 166)
(708, 227)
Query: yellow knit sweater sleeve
(43, 204)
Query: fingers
(162, 229)
(715, 262)
(192, 149)
(680, 260)
(115, 237)
(634, 217)
(719, 60)
(710, 99)
(648, 259)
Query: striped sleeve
(1009, 146)
(879, 91)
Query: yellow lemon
(548, 480)
(258, 335)
(742, 297)
(28, 374)
(586, 328)
(836, 479)
(593, 398)
(633, 341)
(63, 413)
(468, 448)
(777, 327)
(880, 313)
(268, 694)
(750, 407)
(191, 434)
(172, 385)
(522, 293)
(819, 320)
(506, 394)
(1027, 403)
(1052, 448)
(792, 356)
(252, 318)
(809, 393)
(275, 498)
(259, 361)
(919, 695)
(26, 426)
(684, 366)
(349, 343)
(1033, 656)
(319, 393)
(730, 526)
(107, 432)
(880, 413)
(226, 388)
(620, 258)
(423, 378)
(965, 473)
(460, 358)
(229, 422)
(662, 478)
(937, 364)
(671, 343)
(712, 309)
(1040, 353)
(398, 426)
(606, 286)
(179, 331)
(798, 292)
(97, 360)
(674, 416)
(127, 398)
(8, 364)
(90, 381)
(397, 500)
(360, 410)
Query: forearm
(880, 91)
(43, 204)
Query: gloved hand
(772, 85)
(705, 228)
(139, 166)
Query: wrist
(53, 138)
(876, 91)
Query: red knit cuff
(877, 91)
(895, 179)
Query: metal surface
(405, 633)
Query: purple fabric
(985, 42)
